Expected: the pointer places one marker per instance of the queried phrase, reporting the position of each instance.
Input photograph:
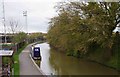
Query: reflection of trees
(52, 60)
(57, 62)
(65, 65)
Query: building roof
(6, 52)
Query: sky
(39, 13)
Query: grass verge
(16, 65)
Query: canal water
(56, 63)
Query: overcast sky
(39, 13)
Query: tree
(14, 28)
(78, 25)
(17, 36)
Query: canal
(56, 63)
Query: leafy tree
(19, 37)
(80, 25)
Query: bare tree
(14, 27)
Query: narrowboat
(35, 53)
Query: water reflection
(58, 63)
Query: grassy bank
(16, 65)
(98, 57)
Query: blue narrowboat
(35, 53)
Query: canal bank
(114, 65)
(56, 63)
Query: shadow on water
(56, 63)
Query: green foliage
(16, 65)
(19, 37)
(33, 37)
(84, 27)
(79, 24)
(6, 60)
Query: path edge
(36, 65)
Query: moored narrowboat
(35, 53)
